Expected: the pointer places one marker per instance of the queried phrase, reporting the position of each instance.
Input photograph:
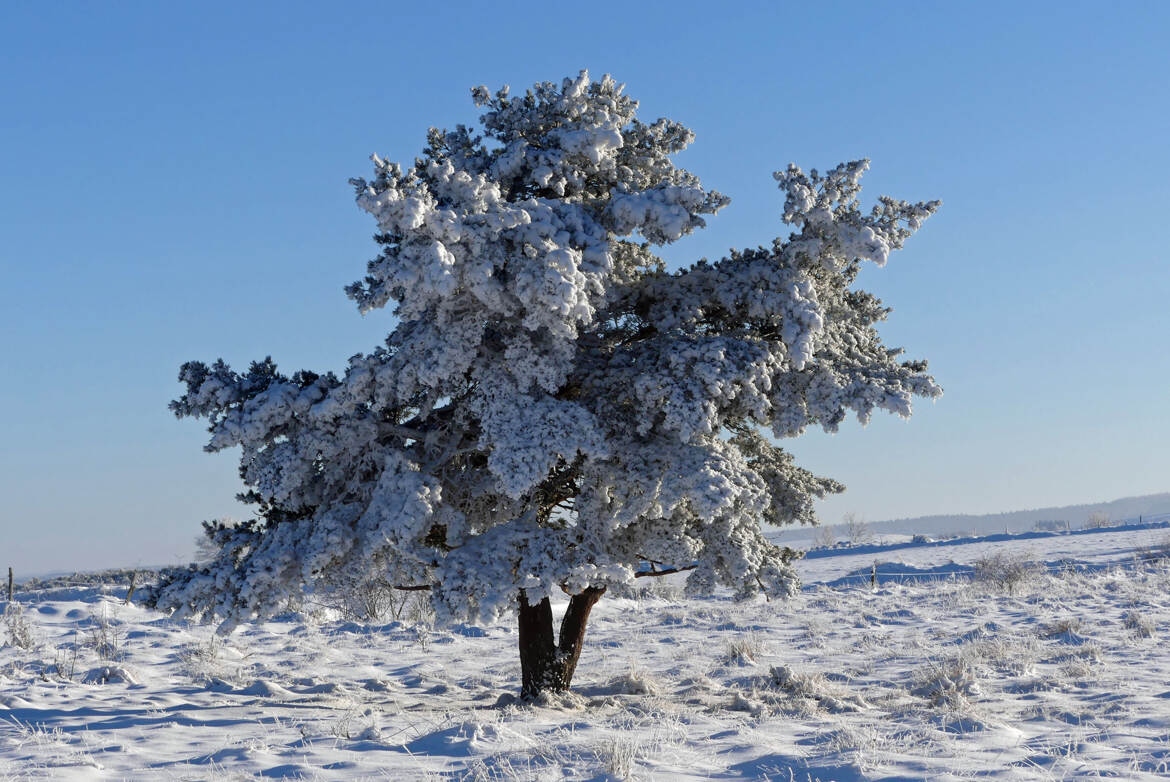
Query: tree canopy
(555, 409)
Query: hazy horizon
(796, 532)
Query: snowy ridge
(115, 582)
(1153, 522)
(1124, 510)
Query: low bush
(1005, 572)
(744, 650)
(20, 632)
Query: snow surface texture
(553, 409)
(929, 676)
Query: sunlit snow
(928, 675)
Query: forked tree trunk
(546, 664)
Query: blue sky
(175, 187)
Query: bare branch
(667, 572)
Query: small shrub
(376, 598)
(418, 609)
(812, 692)
(637, 681)
(64, 662)
(1078, 667)
(105, 637)
(1068, 626)
(947, 683)
(365, 600)
(815, 630)
(618, 757)
(1005, 572)
(857, 532)
(202, 660)
(1016, 656)
(1141, 626)
(20, 632)
(744, 650)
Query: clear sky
(174, 186)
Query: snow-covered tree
(555, 410)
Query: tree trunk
(545, 664)
(537, 647)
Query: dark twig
(667, 572)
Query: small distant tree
(857, 532)
(825, 537)
(1098, 520)
(555, 411)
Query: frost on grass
(807, 693)
(947, 683)
(745, 649)
(1141, 626)
(636, 681)
(1006, 572)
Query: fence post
(873, 576)
(9, 583)
(130, 591)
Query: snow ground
(1058, 672)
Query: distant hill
(1125, 509)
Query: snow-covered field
(1058, 672)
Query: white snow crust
(929, 676)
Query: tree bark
(538, 652)
(573, 630)
(547, 665)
